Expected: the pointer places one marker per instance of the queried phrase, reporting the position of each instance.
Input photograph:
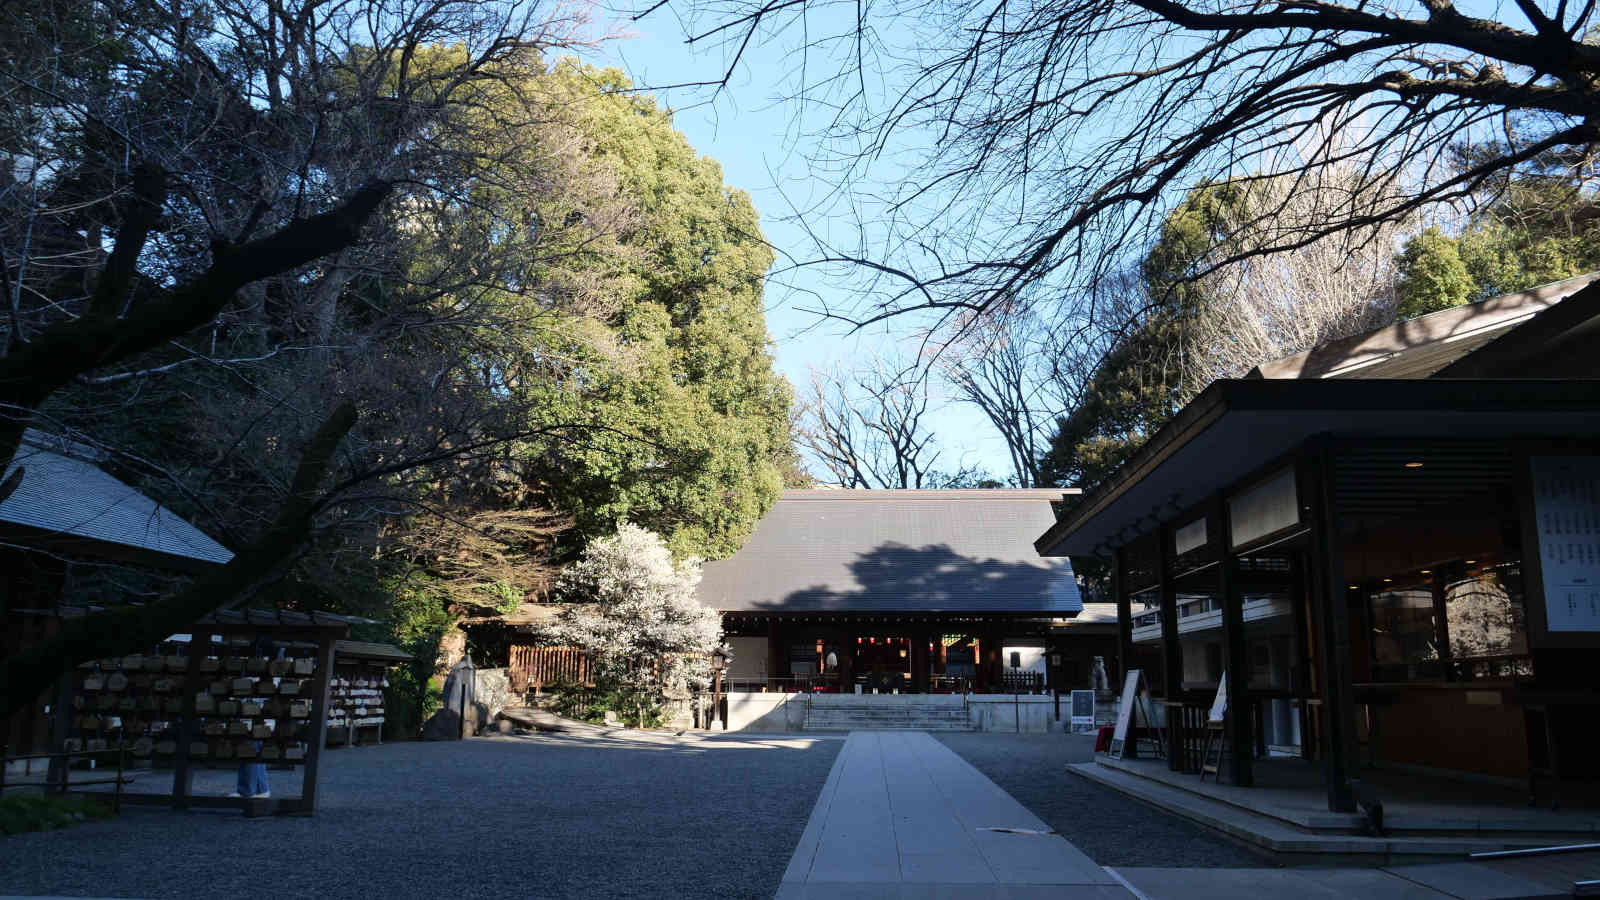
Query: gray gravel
(557, 816)
(1112, 828)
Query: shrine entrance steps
(887, 712)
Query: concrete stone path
(902, 816)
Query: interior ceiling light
(1471, 561)
(1427, 571)
(1414, 464)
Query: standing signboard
(1082, 709)
(1133, 696)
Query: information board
(1082, 708)
(1566, 505)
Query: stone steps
(898, 717)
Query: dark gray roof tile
(897, 551)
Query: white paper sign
(1566, 508)
(1130, 691)
(1219, 705)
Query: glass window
(1405, 637)
(1484, 626)
(1146, 608)
(1483, 611)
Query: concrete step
(1290, 844)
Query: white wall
(1032, 658)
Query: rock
(444, 725)
(544, 720)
(492, 693)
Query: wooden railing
(65, 782)
(537, 667)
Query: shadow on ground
(529, 817)
(1112, 828)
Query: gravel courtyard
(1113, 829)
(493, 817)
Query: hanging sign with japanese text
(1566, 504)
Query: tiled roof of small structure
(1419, 347)
(286, 618)
(63, 494)
(897, 551)
(366, 650)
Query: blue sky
(752, 136)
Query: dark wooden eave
(1237, 426)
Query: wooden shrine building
(1390, 544)
(863, 591)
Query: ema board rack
(250, 707)
(246, 686)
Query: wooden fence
(536, 667)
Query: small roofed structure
(1384, 543)
(65, 503)
(64, 511)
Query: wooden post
(1330, 607)
(777, 656)
(182, 775)
(846, 672)
(60, 727)
(319, 727)
(1240, 718)
(1171, 652)
(919, 661)
(1300, 675)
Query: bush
(46, 812)
(590, 704)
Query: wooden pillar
(777, 657)
(992, 658)
(847, 660)
(319, 724)
(1171, 652)
(1300, 674)
(1331, 612)
(1240, 716)
(1119, 592)
(182, 775)
(919, 660)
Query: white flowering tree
(634, 610)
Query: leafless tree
(868, 430)
(1263, 307)
(1023, 373)
(999, 151)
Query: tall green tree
(691, 432)
(1538, 224)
